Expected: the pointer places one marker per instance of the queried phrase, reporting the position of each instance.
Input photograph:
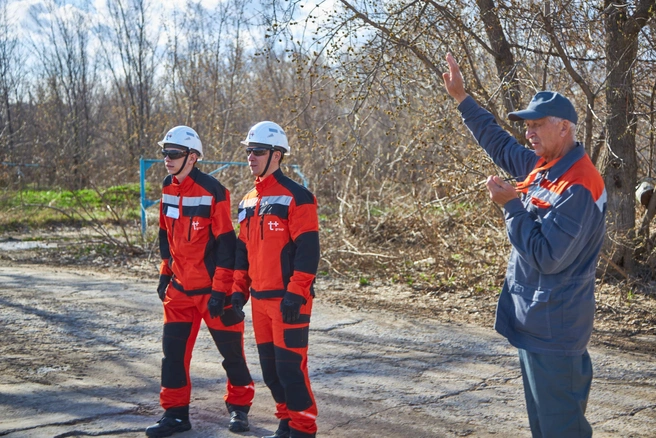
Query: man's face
(546, 137)
(174, 158)
(257, 159)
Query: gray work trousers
(556, 390)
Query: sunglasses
(174, 154)
(258, 152)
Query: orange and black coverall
(277, 256)
(197, 245)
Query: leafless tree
(10, 74)
(208, 74)
(623, 23)
(129, 44)
(68, 74)
(556, 45)
(358, 88)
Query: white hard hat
(183, 136)
(267, 133)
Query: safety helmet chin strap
(184, 163)
(271, 151)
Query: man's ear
(564, 128)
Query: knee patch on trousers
(269, 373)
(230, 347)
(292, 378)
(297, 337)
(174, 345)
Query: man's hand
(216, 303)
(453, 81)
(290, 306)
(501, 192)
(238, 300)
(164, 281)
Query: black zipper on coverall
(262, 227)
(259, 206)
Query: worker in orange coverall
(197, 246)
(276, 264)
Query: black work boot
(293, 433)
(283, 430)
(167, 426)
(238, 422)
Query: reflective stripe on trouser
(556, 390)
(283, 358)
(182, 318)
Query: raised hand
(453, 81)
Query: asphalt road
(80, 355)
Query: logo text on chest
(273, 226)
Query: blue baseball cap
(544, 104)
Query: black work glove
(216, 303)
(238, 300)
(290, 306)
(164, 281)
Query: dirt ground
(81, 351)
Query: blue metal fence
(145, 164)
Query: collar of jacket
(269, 181)
(188, 181)
(566, 162)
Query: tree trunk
(503, 57)
(619, 164)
